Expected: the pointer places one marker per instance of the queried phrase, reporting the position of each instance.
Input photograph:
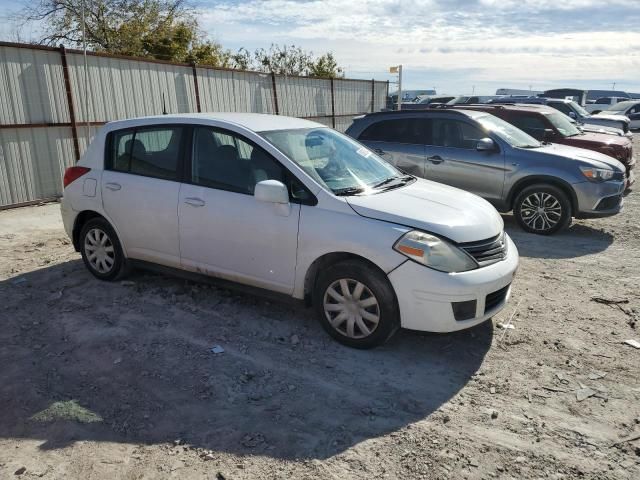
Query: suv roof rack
(435, 108)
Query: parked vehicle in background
(602, 104)
(544, 184)
(547, 124)
(628, 108)
(426, 101)
(294, 207)
(573, 110)
(516, 91)
(582, 97)
(464, 99)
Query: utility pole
(398, 70)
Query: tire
(375, 311)
(97, 237)
(555, 216)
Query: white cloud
(503, 41)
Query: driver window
(226, 161)
(455, 134)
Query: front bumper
(599, 199)
(425, 296)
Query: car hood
(609, 116)
(595, 159)
(602, 129)
(601, 139)
(433, 207)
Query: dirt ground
(117, 380)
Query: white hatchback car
(294, 207)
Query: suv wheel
(356, 304)
(100, 249)
(542, 209)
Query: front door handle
(436, 159)
(379, 151)
(194, 202)
(114, 187)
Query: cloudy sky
(454, 45)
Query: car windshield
(507, 132)
(581, 111)
(334, 160)
(619, 107)
(563, 124)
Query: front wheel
(542, 209)
(355, 304)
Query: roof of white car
(258, 122)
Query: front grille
(487, 252)
(496, 298)
(608, 203)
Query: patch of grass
(69, 410)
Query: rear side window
(121, 150)
(399, 130)
(149, 151)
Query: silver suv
(544, 184)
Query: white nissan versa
(294, 207)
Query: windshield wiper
(345, 192)
(403, 179)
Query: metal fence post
(373, 95)
(72, 110)
(333, 106)
(195, 84)
(275, 93)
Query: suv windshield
(563, 124)
(581, 111)
(335, 161)
(507, 132)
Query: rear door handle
(379, 151)
(194, 202)
(113, 186)
(436, 159)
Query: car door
(140, 186)
(453, 159)
(634, 115)
(224, 230)
(399, 141)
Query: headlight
(434, 252)
(597, 174)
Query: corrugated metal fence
(48, 113)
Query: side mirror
(549, 134)
(572, 115)
(271, 191)
(485, 145)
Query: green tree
(162, 29)
(325, 66)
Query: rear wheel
(355, 304)
(542, 209)
(101, 250)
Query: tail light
(73, 173)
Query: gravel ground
(117, 380)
